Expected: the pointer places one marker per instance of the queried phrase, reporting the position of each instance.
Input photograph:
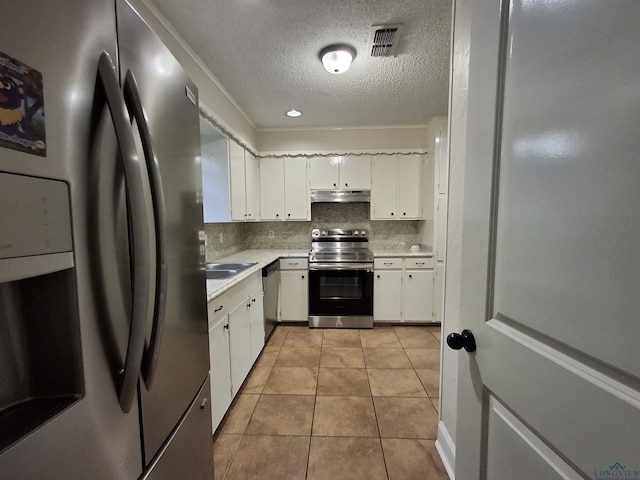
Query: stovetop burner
(340, 246)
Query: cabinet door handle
(302, 276)
(293, 263)
(392, 214)
(388, 263)
(346, 184)
(410, 276)
(277, 215)
(226, 326)
(218, 309)
(253, 300)
(288, 214)
(248, 305)
(404, 213)
(335, 185)
(378, 276)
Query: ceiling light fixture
(337, 58)
(294, 113)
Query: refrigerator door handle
(139, 230)
(150, 355)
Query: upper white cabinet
(396, 190)
(340, 173)
(283, 189)
(245, 184)
(230, 179)
(215, 174)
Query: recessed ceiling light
(293, 113)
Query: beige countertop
(262, 258)
(402, 253)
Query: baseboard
(447, 450)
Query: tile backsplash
(383, 234)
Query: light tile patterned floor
(336, 404)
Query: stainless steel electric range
(340, 279)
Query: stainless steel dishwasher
(271, 287)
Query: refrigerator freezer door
(63, 40)
(188, 453)
(173, 122)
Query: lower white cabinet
(417, 296)
(387, 295)
(236, 338)
(240, 344)
(403, 290)
(220, 370)
(294, 290)
(256, 319)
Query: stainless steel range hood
(340, 196)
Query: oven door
(341, 296)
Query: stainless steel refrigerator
(103, 329)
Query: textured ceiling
(265, 54)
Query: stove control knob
(315, 232)
(324, 233)
(356, 233)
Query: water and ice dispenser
(40, 354)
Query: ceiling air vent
(384, 40)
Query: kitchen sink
(238, 266)
(220, 271)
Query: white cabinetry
(256, 319)
(230, 181)
(396, 188)
(403, 290)
(387, 290)
(283, 189)
(220, 363)
(240, 344)
(245, 184)
(340, 173)
(236, 338)
(439, 141)
(294, 290)
(417, 286)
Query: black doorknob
(464, 340)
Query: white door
(294, 295)
(272, 189)
(323, 173)
(409, 186)
(355, 173)
(296, 194)
(256, 319)
(238, 185)
(417, 304)
(387, 300)
(252, 178)
(384, 188)
(240, 344)
(551, 235)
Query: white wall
(342, 139)
(457, 154)
(212, 93)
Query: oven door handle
(340, 266)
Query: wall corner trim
(447, 450)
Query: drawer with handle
(392, 263)
(418, 263)
(297, 263)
